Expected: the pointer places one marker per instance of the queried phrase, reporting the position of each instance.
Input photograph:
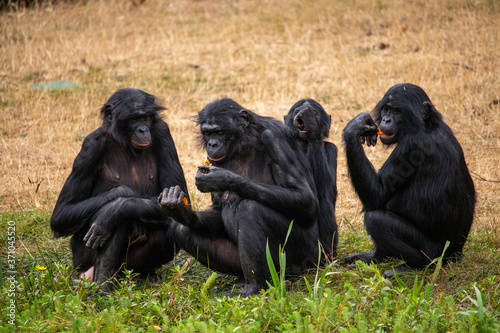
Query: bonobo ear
(243, 118)
(285, 117)
(326, 131)
(107, 110)
(428, 109)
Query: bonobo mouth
(387, 137)
(299, 123)
(216, 159)
(140, 145)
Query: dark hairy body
(423, 195)
(109, 201)
(260, 182)
(310, 126)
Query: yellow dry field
(264, 54)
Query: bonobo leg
(256, 225)
(149, 251)
(83, 257)
(395, 237)
(110, 257)
(216, 252)
(353, 257)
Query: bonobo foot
(88, 274)
(353, 257)
(389, 274)
(249, 290)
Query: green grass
(266, 55)
(189, 298)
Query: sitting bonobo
(423, 195)
(310, 126)
(109, 201)
(260, 182)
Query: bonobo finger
(181, 198)
(362, 140)
(86, 237)
(371, 140)
(204, 168)
(95, 244)
(176, 196)
(163, 198)
(174, 193)
(90, 241)
(103, 241)
(89, 233)
(370, 122)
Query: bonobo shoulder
(91, 150)
(94, 139)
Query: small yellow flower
(40, 268)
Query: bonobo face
(138, 127)
(307, 119)
(390, 121)
(216, 140)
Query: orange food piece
(185, 201)
(207, 163)
(379, 132)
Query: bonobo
(423, 195)
(310, 126)
(260, 182)
(109, 201)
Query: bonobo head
(225, 130)
(129, 115)
(404, 110)
(308, 120)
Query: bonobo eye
(316, 114)
(221, 133)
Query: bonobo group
(126, 203)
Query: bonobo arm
(170, 171)
(331, 160)
(298, 201)
(371, 188)
(172, 202)
(109, 217)
(292, 195)
(75, 206)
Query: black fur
(310, 126)
(108, 203)
(260, 182)
(423, 195)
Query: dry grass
(264, 54)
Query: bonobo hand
(120, 191)
(97, 235)
(362, 127)
(172, 201)
(214, 179)
(105, 221)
